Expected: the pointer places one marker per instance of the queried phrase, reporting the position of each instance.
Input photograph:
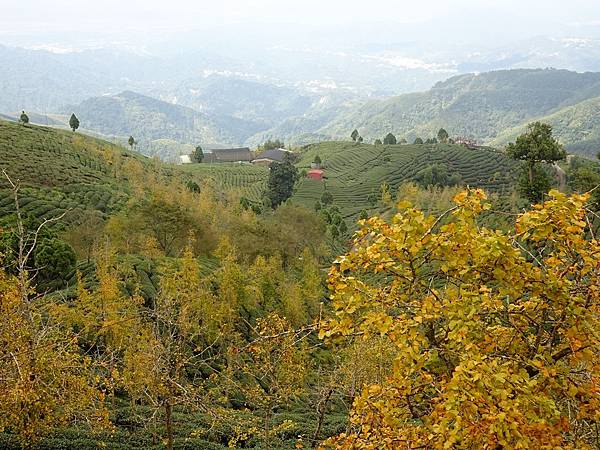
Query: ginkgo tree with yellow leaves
(496, 335)
(45, 382)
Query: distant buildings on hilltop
(270, 156)
(228, 155)
(239, 155)
(467, 142)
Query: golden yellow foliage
(496, 335)
(45, 382)
(270, 372)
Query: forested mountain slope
(40, 80)
(480, 106)
(576, 126)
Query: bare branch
(438, 220)
(27, 245)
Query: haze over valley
(240, 83)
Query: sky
(42, 16)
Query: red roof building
(315, 174)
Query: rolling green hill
(39, 119)
(64, 172)
(354, 172)
(474, 105)
(60, 170)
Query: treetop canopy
(496, 334)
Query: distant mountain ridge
(245, 99)
(481, 106)
(491, 107)
(167, 129)
(151, 121)
(576, 126)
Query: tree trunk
(112, 381)
(154, 430)
(169, 423)
(321, 410)
(352, 396)
(531, 174)
(267, 427)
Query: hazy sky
(42, 16)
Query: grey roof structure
(242, 154)
(276, 155)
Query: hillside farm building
(315, 174)
(270, 156)
(228, 155)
